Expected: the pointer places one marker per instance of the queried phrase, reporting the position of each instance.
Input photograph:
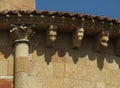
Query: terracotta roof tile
(62, 13)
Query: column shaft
(21, 64)
(21, 35)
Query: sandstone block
(70, 70)
(3, 67)
(91, 73)
(69, 83)
(85, 84)
(37, 82)
(54, 82)
(17, 4)
(10, 67)
(58, 70)
(39, 69)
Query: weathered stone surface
(77, 68)
(67, 68)
(57, 59)
(50, 70)
(37, 82)
(39, 69)
(3, 67)
(21, 80)
(22, 64)
(89, 84)
(69, 83)
(1, 55)
(10, 66)
(59, 70)
(4, 5)
(53, 82)
(104, 76)
(17, 4)
(70, 70)
(6, 83)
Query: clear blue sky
(109, 8)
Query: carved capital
(77, 37)
(102, 40)
(51, 35)
(21, 33)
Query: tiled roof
(66, 22)
(62, 13)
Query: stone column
(21, 35)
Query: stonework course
(57, 49)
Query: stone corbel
(117, 47)
(102, 41)
(77, 37)
(51, 35)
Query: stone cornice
(104, 29)
(66, 22)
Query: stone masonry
(17, 4)
(31, 63)
(63, 67)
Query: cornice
(66, 22)
(104, 29)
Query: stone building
(41, 49)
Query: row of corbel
(25, 32)
(78, 35)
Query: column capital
(21, 33)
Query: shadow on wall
(63, 46)
(6, 46)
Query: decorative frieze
(51, 35)
(77, 37)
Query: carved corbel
(102, 41)
(51, 35)
(77, 37)
(117, 47)
(21, 33)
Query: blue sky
(109, 8)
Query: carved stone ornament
(21, 33)
(77, 37)
(51, 35)
(102, 40)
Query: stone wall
(17, 4)
(61, 66)
(64, 67)
(6, 61)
